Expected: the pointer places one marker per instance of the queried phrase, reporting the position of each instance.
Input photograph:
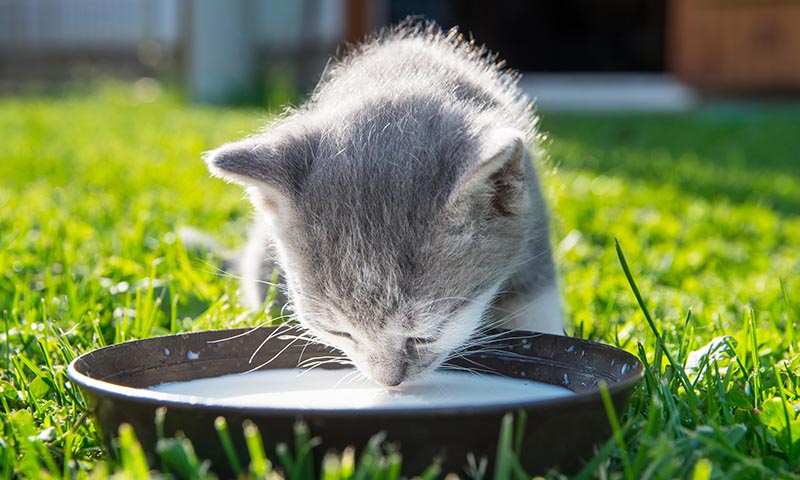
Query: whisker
(544, 251)
(472, 370)
(220, 272)
(312, 366)
(321, 357)
(272, 335)
(303, 351)
(271, 359)
(238, 318)
(359, 376)
(482, 367)
(351, 375)
(497, 350)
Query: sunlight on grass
(705, 207)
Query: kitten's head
(394, 236)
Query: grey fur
(402, 204)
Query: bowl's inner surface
(558, 362)
(346, 389)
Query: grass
(705, 286)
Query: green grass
(706, 208)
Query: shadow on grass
(743, 155)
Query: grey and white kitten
(401, 204)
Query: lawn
(705, 206)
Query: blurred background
(575, 54)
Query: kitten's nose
(395, 376)
(393, 382)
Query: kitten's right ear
(256, 163)
(495, 180)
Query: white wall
(86, 24)
(77, 24)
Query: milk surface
(346, 389)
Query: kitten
(401, 204)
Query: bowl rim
(157, 399)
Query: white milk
(346, 389)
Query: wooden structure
(735, 45)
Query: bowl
(561, 433)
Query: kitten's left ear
(496, 180)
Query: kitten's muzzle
(391, 368)
(394, 376)
(388, 372)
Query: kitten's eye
(339, 334)
(422, 340)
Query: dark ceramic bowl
(561, 433)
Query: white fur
(543, 314)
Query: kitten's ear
(496, 180)
(269, 169)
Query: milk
(347, 389)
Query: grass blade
(502, 462)
(221, 426)
(331, 467)
(616, 430)
(687, 385)
(519, 431)
(259, 465)
(131, 453)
